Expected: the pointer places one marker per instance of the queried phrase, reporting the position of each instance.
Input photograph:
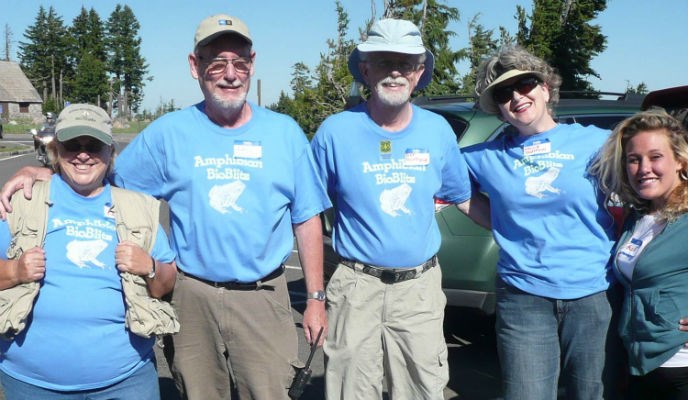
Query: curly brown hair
(515, 57)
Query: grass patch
(133, 127)
(19, 128)
(6, 147)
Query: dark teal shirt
(656, 297)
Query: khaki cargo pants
(393, 330)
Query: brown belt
(233, 285)
(390, 275)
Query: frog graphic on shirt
(224, 197)
(83, 252)
(394, 200)
(537, 185)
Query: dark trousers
(660, 384)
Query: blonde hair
(609, 167)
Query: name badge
(385, 150)
(416, 157)
(537, 148)
(630, 249)
(248, 149)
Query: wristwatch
(151, 274)
(317, 295)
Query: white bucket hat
(394, 36)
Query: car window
(457, 124)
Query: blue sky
(645, 39)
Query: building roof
(15, 87)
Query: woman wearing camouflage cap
(87, 262)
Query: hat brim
(486, 100)
(355, 59)
(216, 35)
(72, 132)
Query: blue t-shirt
(233, 194)
(76, 337)
(554, 232)
(383, 184)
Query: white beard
(393, 99)
(230, 105)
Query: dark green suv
(468, 254)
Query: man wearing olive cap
(240, 183)
(383, 163)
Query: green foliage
(44, 54)
(560, 32)
(51, 104)
(481, 45)
(325, 91)
(90, 83)
(433, 18)
(557, 30)
(125, 62)
(641, 88)
(78, 63)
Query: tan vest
(136, 219)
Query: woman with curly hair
(644, 165)
(554, 286)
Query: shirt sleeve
(310, 197)
(5, 239)
(456, 187)
(161, 250)
(139, 167)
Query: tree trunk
(566, 9)
(52, 73)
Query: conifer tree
(90, 83)
(126, 64)
(433, 18)
(44, 57)
(561, 33)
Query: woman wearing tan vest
(86, 266)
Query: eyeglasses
(403, 67)
(523, 86)
(218, 66)
(92, 146)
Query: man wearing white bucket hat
(383, 163)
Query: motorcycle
(42, 137)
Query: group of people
(242, 181)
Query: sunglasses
(523, 86)
(92, 146)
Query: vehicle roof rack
(450, 98)
(601, 95)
